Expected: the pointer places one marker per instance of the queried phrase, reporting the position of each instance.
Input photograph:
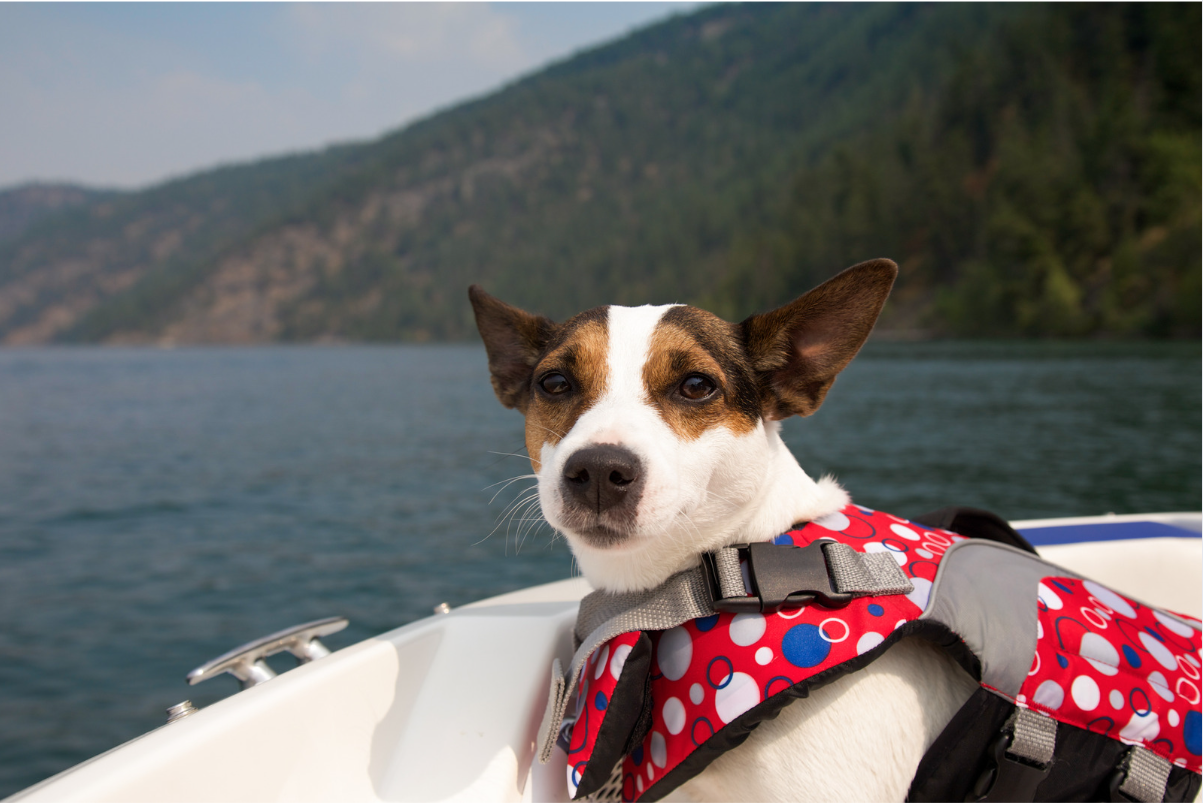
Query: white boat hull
(447, 708)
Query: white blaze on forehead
(630, 331)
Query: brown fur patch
(691, 341)
(513, 340)
(579, 351)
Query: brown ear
(798, 349)
(514, 340)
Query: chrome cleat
(247, 662)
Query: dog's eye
(697, 387)
(554, 384)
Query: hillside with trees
(1034, 169)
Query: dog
(654, 433)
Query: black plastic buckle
(782, 575)
(1007, 778)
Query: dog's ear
(798, 349)
(514, 340)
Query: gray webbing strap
(865, 573)
(1146, 775)
(730, 578)
(1033, 736)
(685, 596)
(603, 616)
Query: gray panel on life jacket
(986, 593)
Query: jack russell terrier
(654, 432)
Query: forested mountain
(22, 207)
(1034, 169)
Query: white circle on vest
(1049, 694)
(1141, 727)
(746, 628)
(1085, 693)
(619, 659)
(764, 655)
(1096, 616)
(868, 641)
(1173, 718)
(1116, 698)
(696, 694)
(1161, 686)
(1158, 651)
(674, 715)
(736, 697)
(1100, 653)
(1046, 595)
(903, 531)
(1187, 668)
(674, 653)
(823, 630)
(836, 522)
(921, 594)
(602, 661)
(1109, 598)
(659, 749)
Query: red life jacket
(666, 703)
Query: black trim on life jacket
(618, 729)
(1082, 770)
(974, 523)
(735, 732)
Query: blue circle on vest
(1139, 711)
(706, 623)
(803, 646)
(637, 756)
(876, 610)
(600, 701)
(1190, 731)
(1132, 657)
(1155, 634)
(785, 539)
(1062, 660)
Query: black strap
(974, 523)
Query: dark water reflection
(158, 508)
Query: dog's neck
(778, 493)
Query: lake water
(158, 508)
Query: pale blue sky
(127, 94)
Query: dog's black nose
(603, 477)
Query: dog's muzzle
(601, 487)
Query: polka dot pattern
(1111, 665)
(708, 672)
(1103, 662)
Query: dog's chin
(597, 532)
(601, 536)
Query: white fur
(859, 738)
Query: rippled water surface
(160, 507)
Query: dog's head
(652, 429)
